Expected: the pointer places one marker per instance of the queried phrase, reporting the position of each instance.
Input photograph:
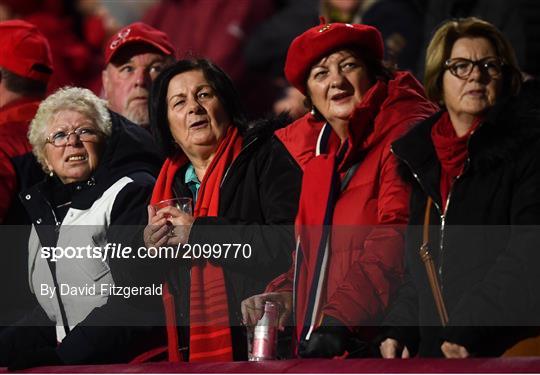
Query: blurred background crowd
(249, 38)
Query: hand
(156, 233)
(45, 356)
(390, 348)
(325, 342)
(451, 350)
(253, 308)
(180, 222)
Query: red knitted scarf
(210, 334)
(451, 151)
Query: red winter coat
(365, 263)
(15, 118)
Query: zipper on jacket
(441, 236)
(443, 216)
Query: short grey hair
(67, 98)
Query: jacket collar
(416, 151)
(416, 148)
(83, 194)
(378, 113)
(361, 132)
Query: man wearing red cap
(134, 57)
(25, 69)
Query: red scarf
(210, 334)
(451, 151)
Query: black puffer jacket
(485, 246)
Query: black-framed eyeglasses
(462, 68)
(60, 138)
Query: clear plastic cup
(183, 204)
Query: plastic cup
(183, 204)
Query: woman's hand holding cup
(179, 224)
(169, 223)
(157, 230)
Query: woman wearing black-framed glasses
(475, 175)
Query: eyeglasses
(462, 68)
(60, 138)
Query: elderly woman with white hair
(100, 173)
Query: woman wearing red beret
(353, 205)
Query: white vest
(79, 228)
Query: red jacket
(15, 118)
(365, 264)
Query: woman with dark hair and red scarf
(245, 188)
(474, 169)
(353, 205)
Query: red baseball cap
(142, 33)
(25, 51)
(308, 48)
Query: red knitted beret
(319, 41)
